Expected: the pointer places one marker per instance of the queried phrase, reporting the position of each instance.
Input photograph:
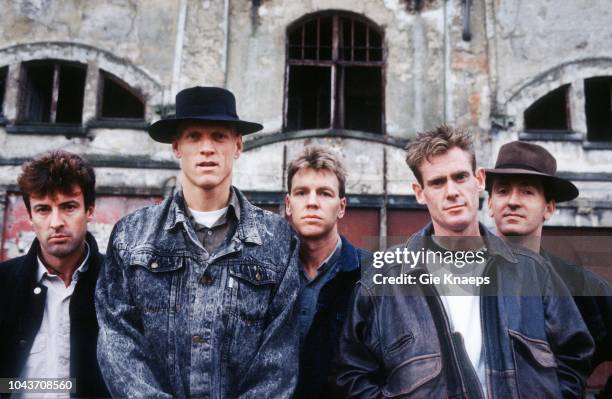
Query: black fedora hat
(520, 158)
(201, 104)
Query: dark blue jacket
(322, 338)
(21, 313)
(176, 321)
(397, 340)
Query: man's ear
(549, 210)
(175, 149)
(418, 192)
(239, 146)
(489, 204)
(342, 209)
(90, 213)
(481, 177)
(288, 210)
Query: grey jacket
(176, 321)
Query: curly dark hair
(56, 172)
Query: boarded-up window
(53, 92)
(598, 108)
(119, 100)
(335, 74)
(549, 112)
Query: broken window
(335, 74)
(53, 92)
(3, 75)
(549, 112)
(598, 108)
(119, 100)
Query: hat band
(517, 166)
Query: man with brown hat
(196, 298)
(523, 192)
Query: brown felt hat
(520, 158)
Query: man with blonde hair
(330, 264)
(498, 325)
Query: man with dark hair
(523, 193)
(196, 297)
(516, 333)
(330, 264)
(48, 326)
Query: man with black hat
(197, 295)
(523, 193)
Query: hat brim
(164, 130)
(559, 189)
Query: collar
(330, 260)
(243, 209)
(350, 257)
(233, 210)
(494, 245)
(42, 272)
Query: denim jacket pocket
(157, 280)
(536, 367)
(537, 349)
(409, 377)
(253, 284)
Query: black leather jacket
(397, 341)
(21, 313)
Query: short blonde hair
(437, 142)
(318, 158)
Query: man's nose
(207, 146)
(312, 199)
(57, 220)
(514, 198)
(452, 189)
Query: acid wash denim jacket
(178, 322)
(397, 340)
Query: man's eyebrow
(436, 179)
(460, 174)
(69, 202)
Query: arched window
(118, 99)
(549, 112)
(598, 108)
(334, 78)
(52, 91)
(3, 74)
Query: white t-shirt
(207, 219)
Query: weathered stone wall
(518, 51)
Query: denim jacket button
(154, 265)
(258, 276)
(206, 279)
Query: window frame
(24, 93)
(337, 104)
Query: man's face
(518, 205)
(314, 204)
(450, 190)
(60, 222)
(207, 153)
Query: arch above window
(334, 73)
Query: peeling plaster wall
(432, 76)
(143, 33)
